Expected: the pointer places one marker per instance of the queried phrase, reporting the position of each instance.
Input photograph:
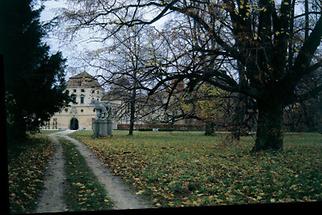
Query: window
(73, 96)
(82, 99)
(93, 110)
(82, 90)
(74, 90)
(93, 91)
(82, 110)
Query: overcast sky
(72, 50)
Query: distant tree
(122, 65)
(34, 79)
(304, 116)
(206, 104)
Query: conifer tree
(34, 78)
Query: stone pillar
(102, 128)
(109, 127)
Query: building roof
(112, 96)
(84, 80)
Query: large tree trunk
(132, 112)
(239, 106)
(210, 129)
(269, 135)
(238, 127)
(16, 132)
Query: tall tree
(122, 64)
(34, 79)
(265, 37)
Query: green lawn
(190, 169)
(26, 168)
(46, 132)
(83, 192)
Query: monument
(102, 126)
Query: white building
(83, 88)
(81, 114)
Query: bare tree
(264, 37)
(121, 64)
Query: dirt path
(51, 199)
(122, 196)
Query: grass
(46, 132)
(83, 192)
(180, 169)
(27, 163)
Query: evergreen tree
(34, 79)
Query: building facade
(80, 114)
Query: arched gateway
(73, 124)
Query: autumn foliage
(26, 170)
(180, 169)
